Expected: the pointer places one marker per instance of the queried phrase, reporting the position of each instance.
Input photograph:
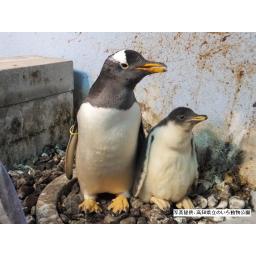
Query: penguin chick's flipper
(145, 155)
(185, 203)
(119, 204)
(70, 152)
(90, 205)
(161, 203)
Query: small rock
(236, 202)
(33, 211)
(223, 190)
(180, 220)
(56, 159)
(223, 204)
(60, 152)
(44, 155)
(142, 220)
(129, 220)
(217, 219)
(26, 210)
(25, 180)
(203, 186)
(30, 219)
(203, 221)
(64, 218)
(212, 201)
(200, 202)
(109, 219)
(135, 212)
(253, 199)
(71, 204)
(30, 201)
(24, 191)
(155, 216)
(145, 208)
(136, 203)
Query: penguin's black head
(128, 67)
(186, 117)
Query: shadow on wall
(81, 89)
(216, 158)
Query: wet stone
(223, 204)
(128, 220)
(141, 220)
(236, 202)
(110, 219)
(200, 202)
(253, 199)
(24, 191)
(180, 220)
(30, 219)
(212, 201)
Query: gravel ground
(32, 177)
(225, 190)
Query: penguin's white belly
(170, 174)
(107, 145)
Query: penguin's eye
(181, 117)
(124, 65)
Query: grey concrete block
(34, 113)
(28, 78)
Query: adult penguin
(110, 131)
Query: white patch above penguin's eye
(120, 57)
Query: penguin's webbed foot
(185, 203)
(119, 204)
(161, 203)
(90, 205)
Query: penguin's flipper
(144, 165)
(140, 154)
(70, 152)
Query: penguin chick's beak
(198, 118)
(153, 67)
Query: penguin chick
(170, 167)
(110, 131)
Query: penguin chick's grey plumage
(170, 163)
(110, 130)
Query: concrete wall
(213, 73)
(36, 105)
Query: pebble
(203, 186)
(253, 199)
(33, 211)
(180, 220)
(155, 216)
(223, 204)
(128, 220)
(236, 202)
(64, 218)
(223, 190)
(217, 219)
(145, 208)
(136, 203)
(30, 219)
(141, 220)
(135, 212)
(30, 201)
(200, 202)
(110, 219)
(203, 221)
(24, 191)
(212, 201)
